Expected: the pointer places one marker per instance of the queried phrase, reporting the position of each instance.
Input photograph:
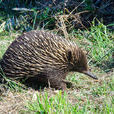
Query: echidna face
(80, 64)
(83, 68)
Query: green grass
(60, 103)
(6, 39)
(102, 44)
(96, 98)
(98, 42)
(45, 104)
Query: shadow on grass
(34, 83)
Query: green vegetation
(59, 103)
(97, 100)
(100, 41)
(86, 95)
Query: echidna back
(36, 52)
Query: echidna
(44, 55)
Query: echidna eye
(69, 55)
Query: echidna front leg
(56, 81)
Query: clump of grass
(98, 42)
(55, 104)
(102, 44)
(60, 103)
(12, 85)
(46, 104)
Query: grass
(98, 42)
(96, 100)
(87, 95)
(44, 103)
(5, 40)
(102, 45)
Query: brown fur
(45, 55)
